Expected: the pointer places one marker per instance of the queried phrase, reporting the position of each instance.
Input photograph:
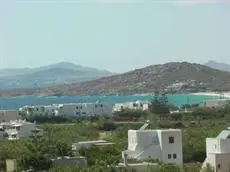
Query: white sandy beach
(222, 94)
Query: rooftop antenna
(146, 124)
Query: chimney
(125, 160)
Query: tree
(62, 149)
(159, 104)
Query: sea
(7, 103)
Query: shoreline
(213, 94)
(224, 94)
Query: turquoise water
(17, 102)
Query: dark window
(95, 106)
(174, 156)
(171, 139)
(218, 166)
(101, 106)
(77, 113)
(37, 109)
(81, 107)
(141, 105)
(169, 156)
(76, 107)
(13, 135)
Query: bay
(17, 102)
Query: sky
(116, 35)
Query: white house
(19, 129)
(160, 145)
(138, 105)
(218, 152)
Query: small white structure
(215, 103)
(138, 105)
(160, 145)
(15, 130)
(87, 144)
(69, 161)
(218, 152)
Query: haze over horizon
(116, 36)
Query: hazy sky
(117, 35)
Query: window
(17, 128)
(77, 113)
(95, 106)
(171, 139)
(37, 109)
(174, 156)
(141, 105)
(218, 166)
(169, 156)
(76, 107)
(101, 106)
(13, 135)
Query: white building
(69, 110)
(138, 105)
(218, 152)
(19, 129)
(40, 110)
(85, 109)
(160, 145)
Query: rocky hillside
(171, 76)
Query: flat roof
(158, 130)
(102, 144)
(69, 157)
(93, 141)
(137, 164)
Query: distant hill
(182, 76)
(217, 65)
(46, 76)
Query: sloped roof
(225, 134)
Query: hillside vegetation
(57, 140)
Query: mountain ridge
(170, 77)
(50, 75)
(218, 65)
